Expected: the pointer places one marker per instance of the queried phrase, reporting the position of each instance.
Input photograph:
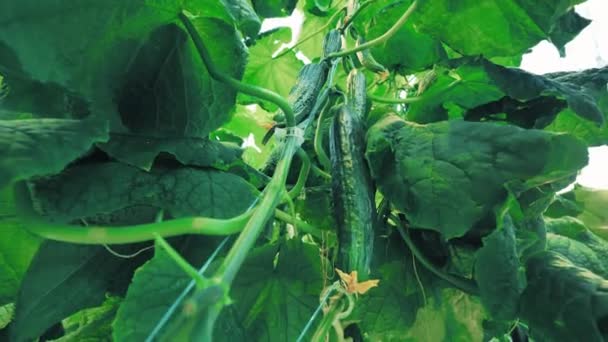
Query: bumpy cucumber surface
(332, 42)
(356, 94)
(304, 93)
(353, 193)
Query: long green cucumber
(353, 193)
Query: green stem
(302, 176)
(218, 75)
(142, 232)
(181, 262)
(318, 142)
(394, 101)
(383, 38)
(321, 29)
(235, 258)
(304, 226)
(467, 285)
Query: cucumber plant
(404, 185)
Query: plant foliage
(136, 133)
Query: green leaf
(81, 273)
(17, 248)
(498, 272)
(408, 50)
(580, 235)
(563, 302)
(71, 49)
(154, 288)
(89, 190)
(245, 17)
(587, 205)
(276, 74)
(6, 315)
(273, 8)
(491, 28)
(251, 121)
(567, 27)
(276, 291)
(478, 89)
(91, 325)
(39, 147)
(577, 253)
(447, 176)
(163, 100)
(142, 151)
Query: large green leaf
(276, 74)
(563, 302)
(39, 147)
(578, 253)
(133, 64)
(17, 248)
(276, 291)
(408, 50)
(498, 271)
(411, 303)
(274, 295)
(89, 190)
(81, 273)
(447, 176)
(491, 27)
(478, 89)
(154, 288)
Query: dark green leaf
(577, 253)
(17, 248)
(276, 291)
(274, 8)
(498, 272)
(89, 190)
(245, 17)
(563, 302)
(565, 29)
(141, 151)
(39, 147)
(58, 271)
(447, 176)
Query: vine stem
(272, 196)
(218, 75)
(383, 38)
(406, 100)
(466, 285)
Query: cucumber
(356, 94)
(304, 93)
(332, 42)
(353, 193)
(367, 59)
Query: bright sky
(588, 50)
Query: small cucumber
(332, 42)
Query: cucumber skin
(353, 193)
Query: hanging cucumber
(367, 59)
(332, 42)
(352, 187)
